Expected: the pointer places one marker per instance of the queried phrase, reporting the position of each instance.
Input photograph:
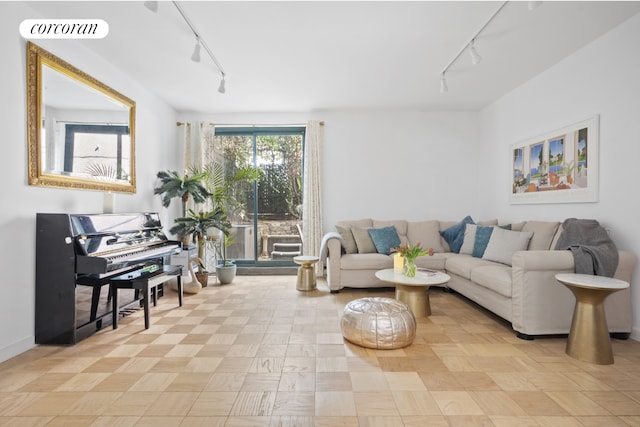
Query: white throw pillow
(469, 239)
(504, 243)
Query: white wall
(602, 78)
(156, 150)
(388, 164)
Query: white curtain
(312, 191)
(206, 134)
(185, 143)
(198, 148)
(203, 140)
(186, 146)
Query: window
(98, 150)
(266, 215)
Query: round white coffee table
(589, 335)
(414, 291)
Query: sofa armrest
(334, 258)
(541, 305)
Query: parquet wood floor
(259, 353)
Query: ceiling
(312, 56)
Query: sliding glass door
(266, 214)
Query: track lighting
(475, 57)
(151, 5)
(196, 51)
(443, 84)
(195, 57)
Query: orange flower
(412, 251)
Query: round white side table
(589, 335)
(306, 272)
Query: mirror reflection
(85, 136)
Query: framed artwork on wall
(560, 166)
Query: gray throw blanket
(593, 250)
(324, 249)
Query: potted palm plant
(173, 185)
(223, 196)
(196, 225)
(221, 187)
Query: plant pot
(186, 240)
(203, 278)
(226, 273)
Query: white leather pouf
(380, 323)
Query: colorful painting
(558, 167)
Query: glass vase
(410, 267)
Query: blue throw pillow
(483, 234)
(384, 239)
(454, 235)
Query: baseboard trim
(16, 348)
(267, 271)
(635, 334)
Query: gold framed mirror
(81, 132)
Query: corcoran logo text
(64, 29)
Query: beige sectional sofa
(524, 293)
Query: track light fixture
(153, 6)
(196, 51)
(475, 57)
(443, 84)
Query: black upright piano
(76, 255)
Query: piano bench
(146, 281)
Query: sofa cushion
(504, 243)
(435, 262)
(372, 261)
(496, 277)
(488, 222)
(462, 264)
(384, 239)
(469, 239)
(349, 244)
(554, 242)
(483, 234)
(400, 225)
(476, 238)
(518, 226)
(363, 240)
(364, 223)
(454, 235)
(543, 232)
(427, 233)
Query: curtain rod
(253, 125)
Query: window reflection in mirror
(80, 130)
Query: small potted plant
(226, 270)
(568, 169)
(196, 225)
